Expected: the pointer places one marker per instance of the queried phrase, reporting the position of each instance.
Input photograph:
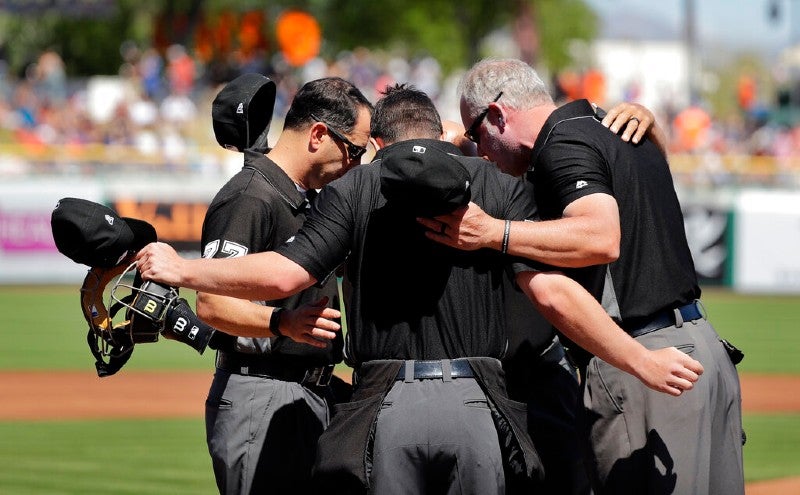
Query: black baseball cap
(425, 180)
(94, 235)
(242, 111)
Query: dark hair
(332, 99)
(404, 112)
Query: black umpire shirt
(407, 296)
(575, 156)
(258, 209)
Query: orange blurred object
(570, 84)
(594, 86)
(746, 92)
(691, 128)
(251, 32)
(299, 36)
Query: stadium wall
(747, 240)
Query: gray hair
(521, 86)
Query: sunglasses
(472, 132)
(354, 151)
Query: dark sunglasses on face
(354, 151)
(472, 132)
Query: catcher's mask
(147, 304)
(112, 343)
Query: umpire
(271, 397)
(615, 220)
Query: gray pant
(643, 441)
(436, 437)
(262, 433)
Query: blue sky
(726, 25)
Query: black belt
(243, 364)
(427, 370)
(666, 318)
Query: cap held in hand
(94, 235)
(425, 180)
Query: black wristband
(275, 322)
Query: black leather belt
(666, 318)
(428, 370)
(243, 364)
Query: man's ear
(315, 135)
(495, 115)
(377, 142)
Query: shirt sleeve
(240, 226)
(572, 169)
(325, 239)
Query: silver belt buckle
(321, 376)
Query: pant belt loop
(678, 317)
(447, 371)
(409, 371)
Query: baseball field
(63, 430)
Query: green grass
(773, 446)
(42, 328)
(169, 456)
(105, 457)
(766, 328)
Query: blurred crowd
(157, 110)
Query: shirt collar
(275, 175)
(574, 109)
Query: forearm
(260, 276)
(570, 242)
(233, 316)
(571, 309)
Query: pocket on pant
(599, 376)
(477, 403)
(220, 403)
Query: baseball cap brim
(143, 233)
